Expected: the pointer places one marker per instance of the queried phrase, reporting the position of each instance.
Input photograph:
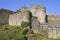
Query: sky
(51, 5)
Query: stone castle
(47, 25)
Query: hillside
(8, 32)
(4, 16)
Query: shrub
(24, 24)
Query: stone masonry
(50, 29)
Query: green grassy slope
(8, 32)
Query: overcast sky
(51, 5)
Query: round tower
(39, 12)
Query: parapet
(37, 7)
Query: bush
(24, 24)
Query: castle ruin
(47, 25)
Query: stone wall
(38, 27)
(4, 16)
(54, 31)
(35, 24)
(17, 18)
(53, 20)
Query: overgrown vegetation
(24, 24)
(8, 32)
(13, 32)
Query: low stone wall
(53, 20)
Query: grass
(8, 32)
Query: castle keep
(47, 25)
